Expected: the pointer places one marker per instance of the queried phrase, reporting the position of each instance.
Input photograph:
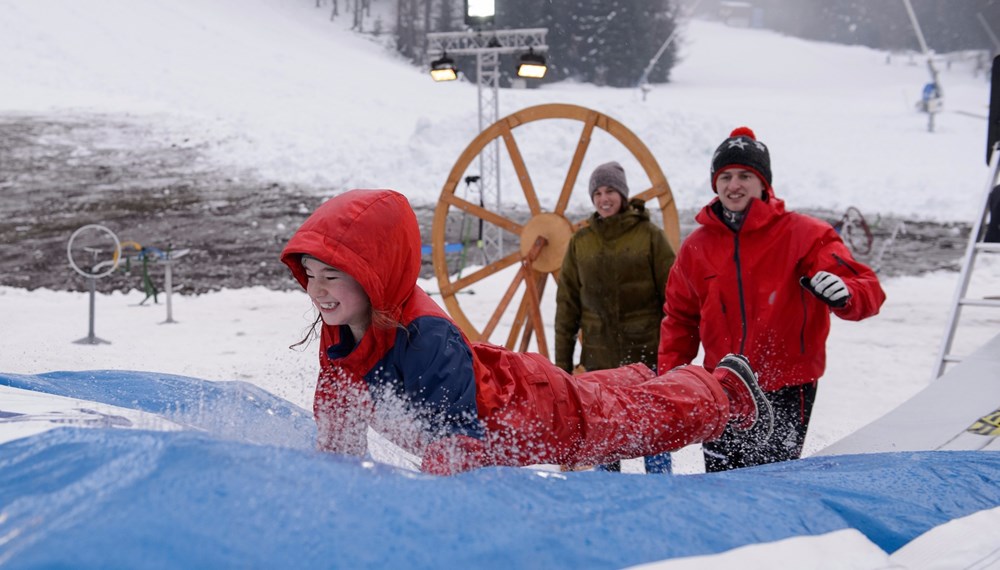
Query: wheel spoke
(484, 272)
(652, 192)
(515, 328)
(665, 199)
(482, 213)
(531, 302)
(522, 171)
(535, 288)
(502, 306)
(574, 167)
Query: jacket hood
(372, 235)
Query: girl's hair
(384, 320)
(379, 319)
(311, 333)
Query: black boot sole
(764, 426)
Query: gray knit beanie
(609, 174)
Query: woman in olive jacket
(612, 282)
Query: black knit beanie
(742, 149)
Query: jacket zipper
(805, 319)
(739, 286)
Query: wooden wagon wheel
(545, 237)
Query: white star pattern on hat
(760, 146)
(738, 142)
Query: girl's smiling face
(339, 299)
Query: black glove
(828, 288)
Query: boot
(751, 412)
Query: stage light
(443, 69)
(532, 65)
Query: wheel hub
(557, 232)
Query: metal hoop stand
(98, 270)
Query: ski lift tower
(488, 46)
(931, 101)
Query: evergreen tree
(608, 42)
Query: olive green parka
(611, 288)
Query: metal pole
(484, 251)
(92, 285)
(989, 31)
(487, 84)
(930, 62)
(916, 26)
(91, 338)
(644, 78)
(479, 95)
(169, 286)
(968, 261)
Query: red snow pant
(553, 417)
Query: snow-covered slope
(275, 86)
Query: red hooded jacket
(740, 292)
(519, 406)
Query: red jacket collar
(759, 214)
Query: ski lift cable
(989, 30)
(922, 41)
(643, 79)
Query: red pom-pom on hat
(743, 132)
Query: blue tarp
(227, 494)
(427, 249)
(236, 410)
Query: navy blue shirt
(430, 368)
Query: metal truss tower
(488, 46)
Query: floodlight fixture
(532, 65)
(443, 69)
(479, 12)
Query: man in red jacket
(760, 281)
